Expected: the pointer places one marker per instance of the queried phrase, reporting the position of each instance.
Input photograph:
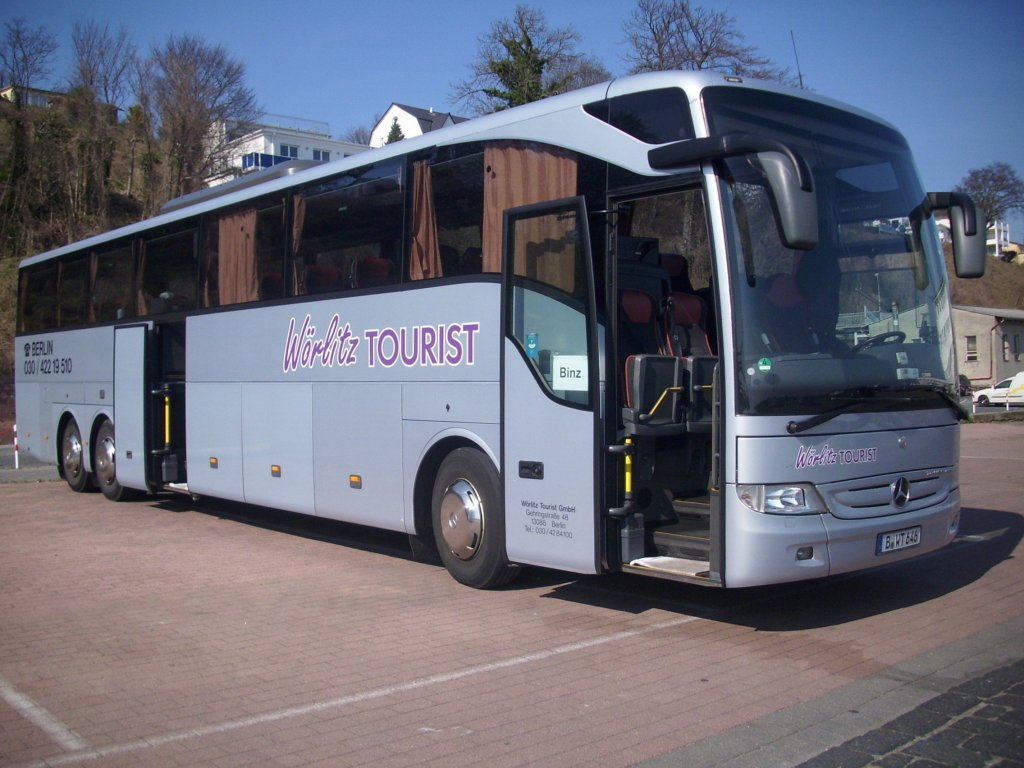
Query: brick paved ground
(162, 633)
(977, 723)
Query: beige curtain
(518, 173)
(298, 223)
(237, 276)
(425, 254)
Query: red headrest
(688, 309)
(637, 305)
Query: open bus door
(550, 389)
(149, 405)
(131, 404)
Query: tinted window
(168, 273)
(74, 291)
(38, 299)
(654, 117)
(347, 231)
(112, 292)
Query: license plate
(897, 540)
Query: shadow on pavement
(987, 538)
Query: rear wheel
(72, 457)
(469, 520)
(104, 462)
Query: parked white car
(1008, 390)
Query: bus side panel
(214, 438)
(550, 518)
(54, 371)
(277, 445)
(357, 449)
(28, 415)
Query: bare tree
(675, 34)
(522, 59)
(25, 54)
(202, 107)
(358, 134)
(103, 60)
(996, 189)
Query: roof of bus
(506, 124)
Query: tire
(104, 462)
(469, 520)
(72, 457)
(983, 400)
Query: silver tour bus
(681, 325)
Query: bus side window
(343, 232)
(270, 247)
(38, 300)
(243, 255)
(112, 286)
(447, 213)
(167, 273)
(74, 306)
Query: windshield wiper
(866, 397)
(796, 427)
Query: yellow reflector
(355, 481)
(275, 470)
(213, 462)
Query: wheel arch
(66, 415)
(430, 463)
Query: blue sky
(946, 73)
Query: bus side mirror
(789, 177)
(795, 207)
(966, 228)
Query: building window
(288, 150)
(1016, 347)
(1006, 348)
(322, 154)
(971, 346)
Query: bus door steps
(689, 538)
(695, 506)
(675, 569)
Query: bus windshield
(863, 317)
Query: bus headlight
(797, 499)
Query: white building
(412, 121)
(989, 343)
(279, 139)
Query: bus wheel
(469, 520)
(72, 464)
(105, 464)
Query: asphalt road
(166, 633)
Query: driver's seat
(787, 326)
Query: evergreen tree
(395, 134)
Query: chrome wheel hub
(105, 469)
(462, 519)
(72, 450)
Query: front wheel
(469, 520)
(104, 461)
(72, 458)
(983, 400)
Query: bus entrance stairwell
(669, 521)
(167, 454)
(144, 448)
